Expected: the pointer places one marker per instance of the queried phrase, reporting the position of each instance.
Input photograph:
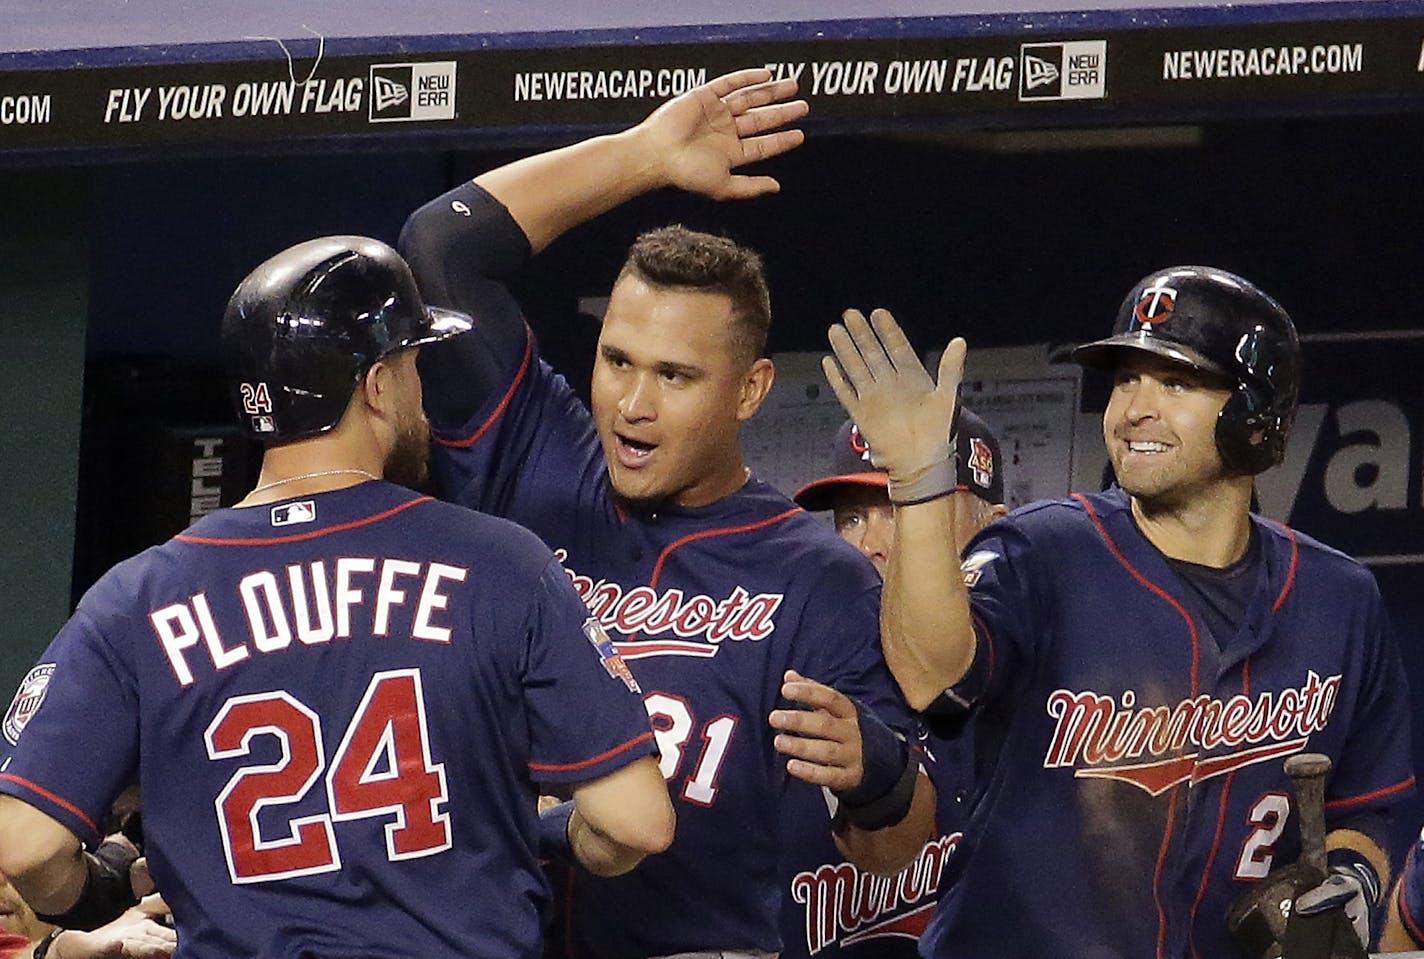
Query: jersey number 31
(382, 768)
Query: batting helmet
(305, 326)
(1215, 321)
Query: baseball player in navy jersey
(831, 907)
(1148, 655)
(339, 712)
(735, 606)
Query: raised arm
(926, 630)
(693, 142)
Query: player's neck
(1210, 529)
(316, 465)
(718, 487)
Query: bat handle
(1308, 771)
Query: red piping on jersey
(1151, 586)
(1349, 801)
(1196, 665)
(1290, 574)
(724, 531)
(592, 760)
(504, 403)
(1157, 873)
(1220, 826)
(1210, 861)
(51, 797)
(313, 534)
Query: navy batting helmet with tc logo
(1219, 323)
(305, 326)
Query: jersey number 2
(1269, 816)
(382, 768)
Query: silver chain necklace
(293, 479)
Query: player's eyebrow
(679, 369)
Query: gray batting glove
(904, 414)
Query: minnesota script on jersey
(338, 707)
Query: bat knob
(1307, 765)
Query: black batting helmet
(1217, 322)
(305, 326)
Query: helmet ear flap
(1250, 431)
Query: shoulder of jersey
(494, 539)
(1048, 510)
(1321, 554)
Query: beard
(408, 463)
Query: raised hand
(904, 414)
(706, 133)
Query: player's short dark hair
(675, 256)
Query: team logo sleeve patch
(27, 701)
(613, 663)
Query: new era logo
(290, 514)
(387, 93)
(409, 92)
(1039, 72)
(1072, 70)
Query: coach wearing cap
(820, 899)
(856, 493)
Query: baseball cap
(979, 466)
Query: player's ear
(756, 384)
(375, 385)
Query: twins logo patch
(27, 701)
(290, 514)
(613, 663)
(973, 566)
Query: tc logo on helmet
(1156, 304)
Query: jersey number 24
(382, 768)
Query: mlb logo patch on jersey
(973, 565)
(27, 701)
(290, 514)
(613, 663)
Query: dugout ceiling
(87, 79)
